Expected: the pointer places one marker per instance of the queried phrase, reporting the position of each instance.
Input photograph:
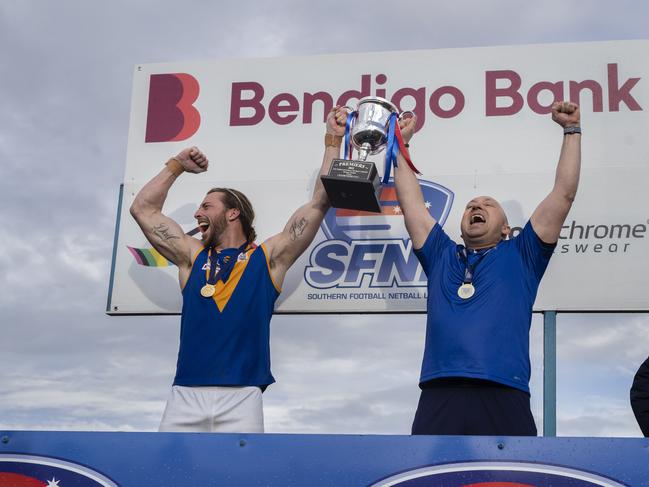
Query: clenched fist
(566, 113)
(336, 120)
(407, 126)
(192, 160)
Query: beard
(217, 227)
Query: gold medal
(466, 290)
(208, 290)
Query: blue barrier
(75, 459)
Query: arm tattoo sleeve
(162, 232)
(298, 227)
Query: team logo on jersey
(373, 247)
(30, 471)
(497, 474)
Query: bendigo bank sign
(486, 130)
(172, 116)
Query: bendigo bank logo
(31, 471)
(375, 245)
(171, 115)
(496, 474)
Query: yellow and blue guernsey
(224, 339)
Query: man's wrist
(573, 129)
(175, 166)
(332, 140)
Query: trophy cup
(355, 184)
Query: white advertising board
(484, 128)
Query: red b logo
(171, 115)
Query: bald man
(476, 367)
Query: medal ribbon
(469, 269)
(348, 129)
(225, 266)
(395, 145)
(390, 151)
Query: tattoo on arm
(297, 228)
(162, 232)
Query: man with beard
(476, 367)
(229, 287)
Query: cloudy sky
(65, 93)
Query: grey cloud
(359, 373)
(592, 336)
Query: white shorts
(214, 410)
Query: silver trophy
(355, 184)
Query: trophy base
(353, 185)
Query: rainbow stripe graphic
(149, 257)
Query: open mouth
(477, 219)
(203, 226)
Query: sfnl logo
(32, 471)
(496, 474)
(373, 249)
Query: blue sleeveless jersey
(224, 339)
(487, 335)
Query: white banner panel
(484, 129)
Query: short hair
(236, 199)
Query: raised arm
(418, 220)
(301, 229)
(549, 216)
(166, 236)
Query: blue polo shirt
(487, 335)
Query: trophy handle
(407, 112)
